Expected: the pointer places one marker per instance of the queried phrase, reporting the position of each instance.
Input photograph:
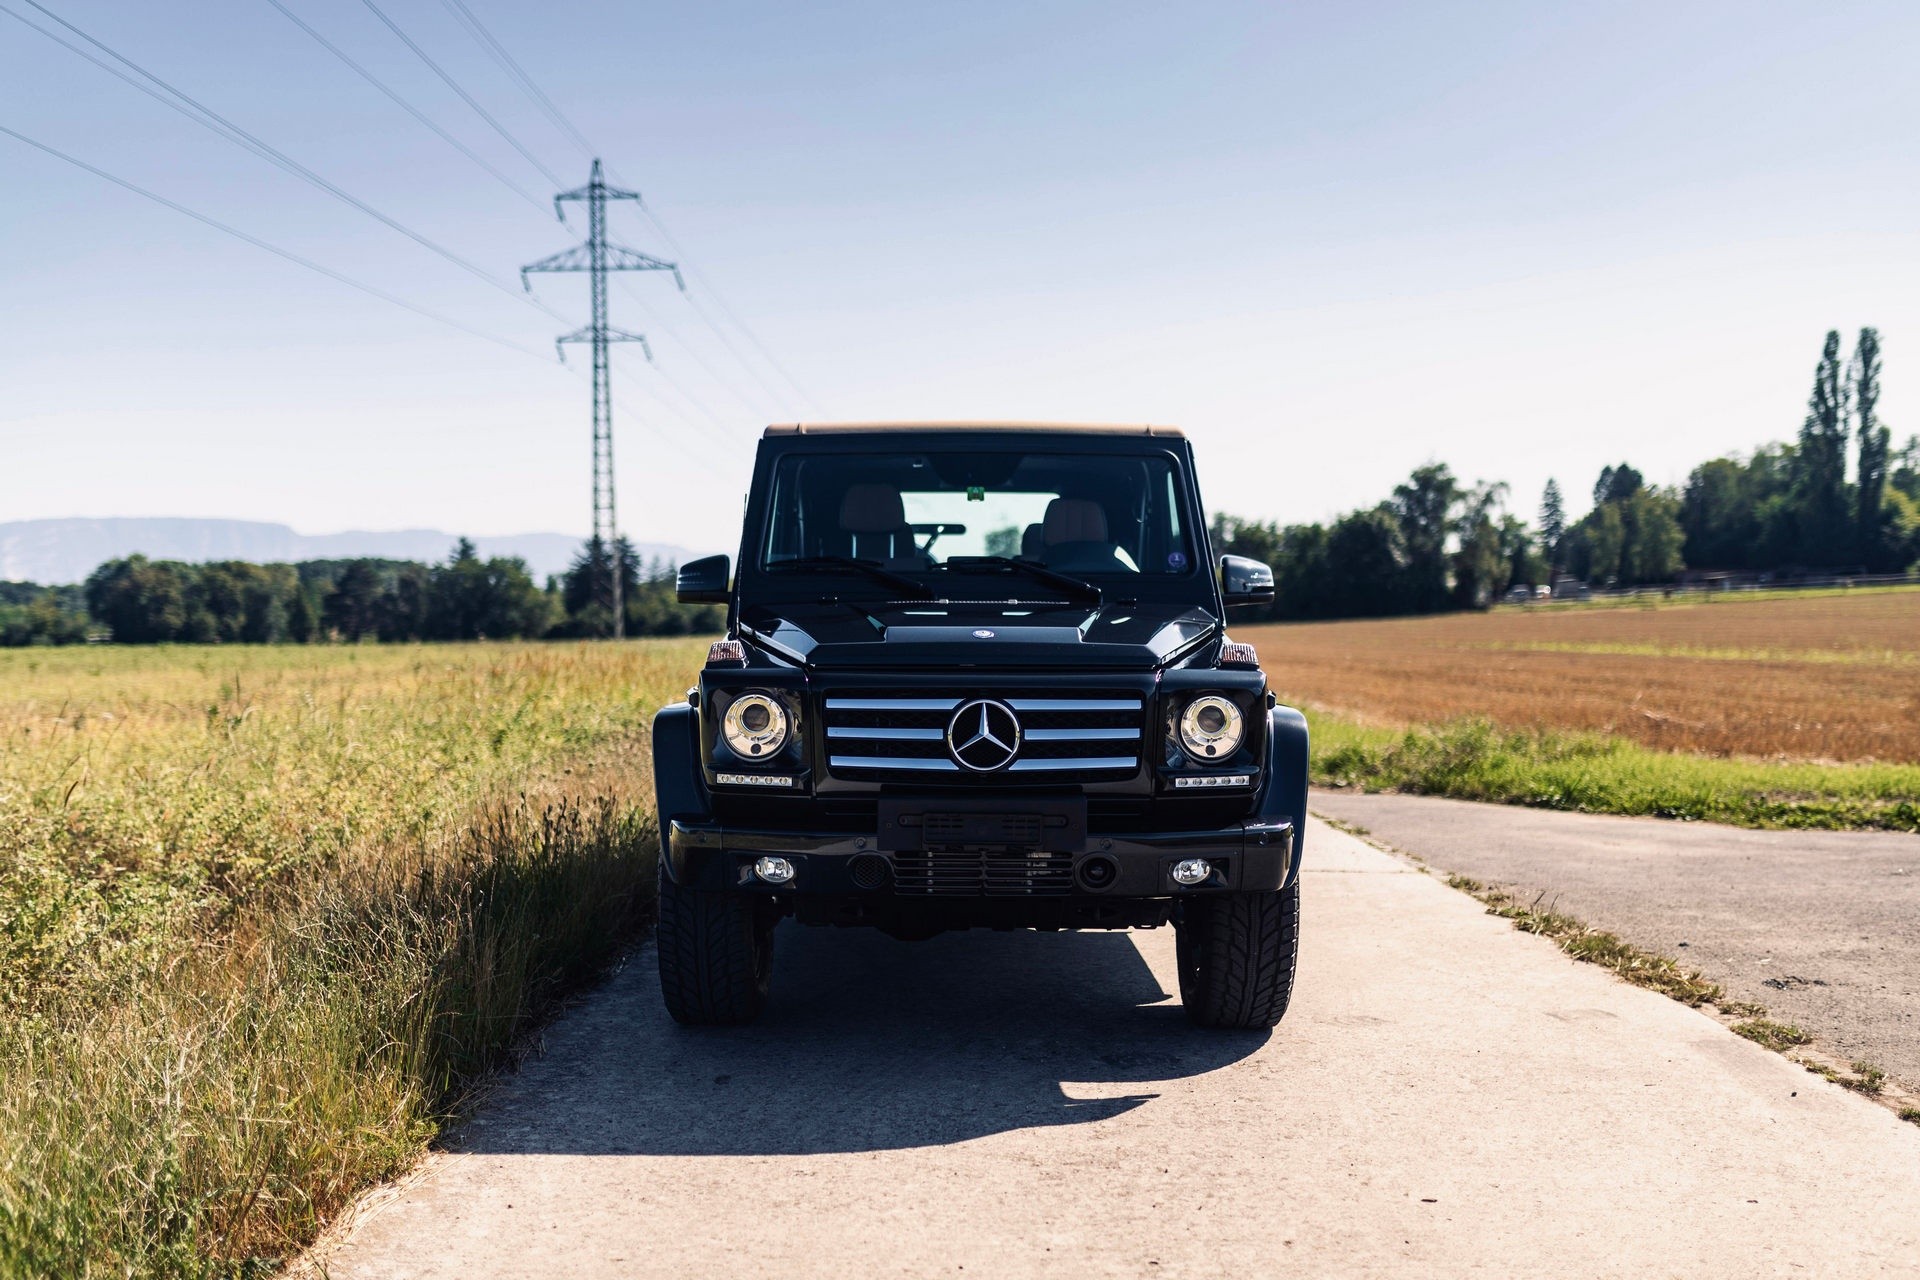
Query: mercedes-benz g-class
(979, 676)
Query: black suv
(978, 675)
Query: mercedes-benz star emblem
(983, 735)
(983, 634)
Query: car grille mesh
(954, 873)
(1065, 737)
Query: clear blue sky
(1333, 240)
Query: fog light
(779, 870)
(1188, 870)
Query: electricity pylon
(597, 257)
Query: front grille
(1062, 739)
(951, 873)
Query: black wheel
(716, 955)
(1236, 956)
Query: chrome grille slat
(1072, 762)
(886, 732)
(919, 764)
(1098, 735)
(1082, 735)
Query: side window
(786, 531)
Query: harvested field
(1834, 677)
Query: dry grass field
(265, 913)
(1770, 711)
(1833, 677)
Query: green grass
(266, 915)
(1664, 975)
(1596, 946)
(1867, 1078)
(1592, 773)
(1777, 1036)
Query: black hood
(841, 635)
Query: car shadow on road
(868, 1044)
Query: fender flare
(1286, 794)
(679, 788)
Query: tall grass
(290, 910)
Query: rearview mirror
(1244, 581)
(705, 581)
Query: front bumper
(1255, 855)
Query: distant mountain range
(55, 552)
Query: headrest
(1074, 520)
(872, 508)
(1032, 542)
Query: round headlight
(1210, 727)
(754, 727)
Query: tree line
(140, 601)
(1836, 500)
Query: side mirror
(1244, 581)
(705, 581)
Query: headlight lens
(754, 727)
(1210, 727)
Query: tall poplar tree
(1553, 524)
(1870, 493)
(1821, 464)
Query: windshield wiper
(920, 590)
(1078, 586)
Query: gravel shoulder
(1821, 927)
(1447, 1096)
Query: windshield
(1086, 515)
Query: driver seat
(1074, 537)
(874, 522)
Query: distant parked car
(1543, 592)
(1519, 593)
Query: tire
(716, 955)
(1237, 953)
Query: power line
(409, 108)
(269, 247)
(222, 127)
(504, 60)
(538, 96)
(701, 277)
(227, 130)
(373, 291)
(700, 459)
(694, 354)
(466, 97)
(694, 302)
(713, 419)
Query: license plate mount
(1054, 824)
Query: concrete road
(1821, 927)
(1447, 1097)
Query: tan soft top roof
(876, 428)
